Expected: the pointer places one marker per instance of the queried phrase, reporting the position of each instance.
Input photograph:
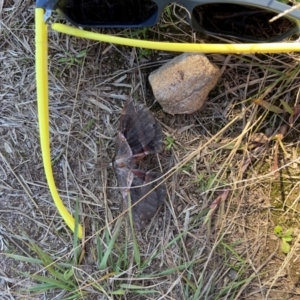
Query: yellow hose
(180, 47)
(41, 65)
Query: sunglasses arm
(41, 65)
(180, 47)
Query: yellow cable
(41, 64)
(180, 47)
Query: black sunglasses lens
(240, 21)
(108, 12)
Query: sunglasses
(246, 20)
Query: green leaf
(68, 274)
(118, 292)
(285, 247)
(289, 232)
(187, 167)
(88, 125)
(82, 53)
(287, 107)
(278, 230)
(169, 142)
(268, 106)
(64, 59)
(287, 238)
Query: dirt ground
(234, 254)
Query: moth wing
(125, 178)
(160, 188)
(122, 163)
(123, 149)
(141, 185)
(151, 134)
(156, 143)
(129, 127)
(142, 131)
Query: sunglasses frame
(269, 5)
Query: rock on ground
(182, 85)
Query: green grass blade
(131, 286)
(99, 249)
(42, 287)
(118, 292)
(228, 247)
(136, 248)
(163, 249)
(287, 107)
(146, 292)
(56, 283)
(24, 258)
(75, 296)
(268, 106)
(49, 265)
(199, 287)
(234, 285)
(33, 260)
(75, 236)
(103, 263)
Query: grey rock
(182, 85)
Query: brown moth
(139, 135)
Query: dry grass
(184, 253)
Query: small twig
(24, 186)
(255, 273)
(285, 13)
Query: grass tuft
(231, 170)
